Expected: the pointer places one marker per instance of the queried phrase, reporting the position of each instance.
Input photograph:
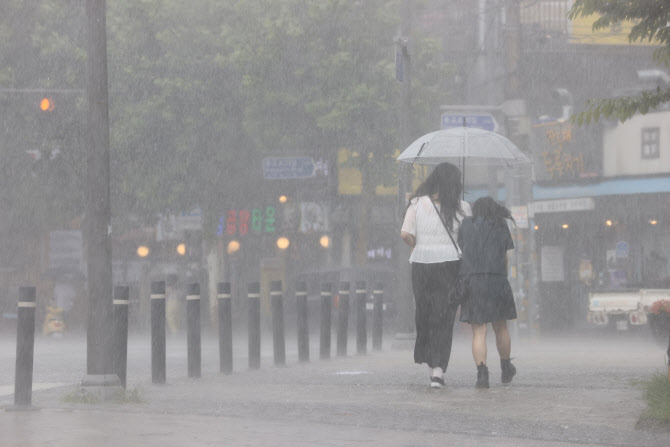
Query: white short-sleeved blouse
(432, 241)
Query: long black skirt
(435, 315)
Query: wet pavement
(568, 391)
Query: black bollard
(361, 325)
(278, 343)
(120, 352)
(193, 329)
(254, 303)
(225, 328)
(326, 305)
(343, 318)
(377, 316)
(158, 332)
(303, 326)
(25, 347)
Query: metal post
(302, 323)
(120, 351)
(158, 332)
(25, 346)
(402, 280)
(193, 329)
(278, 343)
(377, 316)
(361, 325)
(343, 318)
(324, 347)
(98, 209)
(225, 328)
(254, 303)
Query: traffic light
(46, 104)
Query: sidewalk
(567, 392)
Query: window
(651, 138)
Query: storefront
(611, 235)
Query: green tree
(650, 23)
(41, 178)
(200, 91)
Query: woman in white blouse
(435, 263)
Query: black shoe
(436, 382)
(508, 370)
(482, 376)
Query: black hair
(445, 181)
(490, 210)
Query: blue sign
(288, 167)
(622, 250)
(482, 121)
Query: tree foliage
(650, 20)
(200, 91)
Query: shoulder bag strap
(458, 250)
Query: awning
(609, 187)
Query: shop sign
(622, 250)
(565, 153)
(314, 217)
(562, 205)
(245, 221)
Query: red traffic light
(46, 105)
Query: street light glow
(283, 199)
(324, 241)
(46, 105)
(142, 251)
(233, 246)
(181, 249)
(283, 243)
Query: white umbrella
(476, 147)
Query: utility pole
(403, 291)
(518, 185)
(99, 377)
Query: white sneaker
(436, 382)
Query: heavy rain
(202, 204)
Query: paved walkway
(568, 392)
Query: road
(574, 390)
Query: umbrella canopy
(475, 147)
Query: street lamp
(283, 243)
(233, 246)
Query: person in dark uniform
(484, 239)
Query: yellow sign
(581, 32)
(350, 179)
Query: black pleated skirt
(490, 300)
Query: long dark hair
(445, 181)
(490, 210)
